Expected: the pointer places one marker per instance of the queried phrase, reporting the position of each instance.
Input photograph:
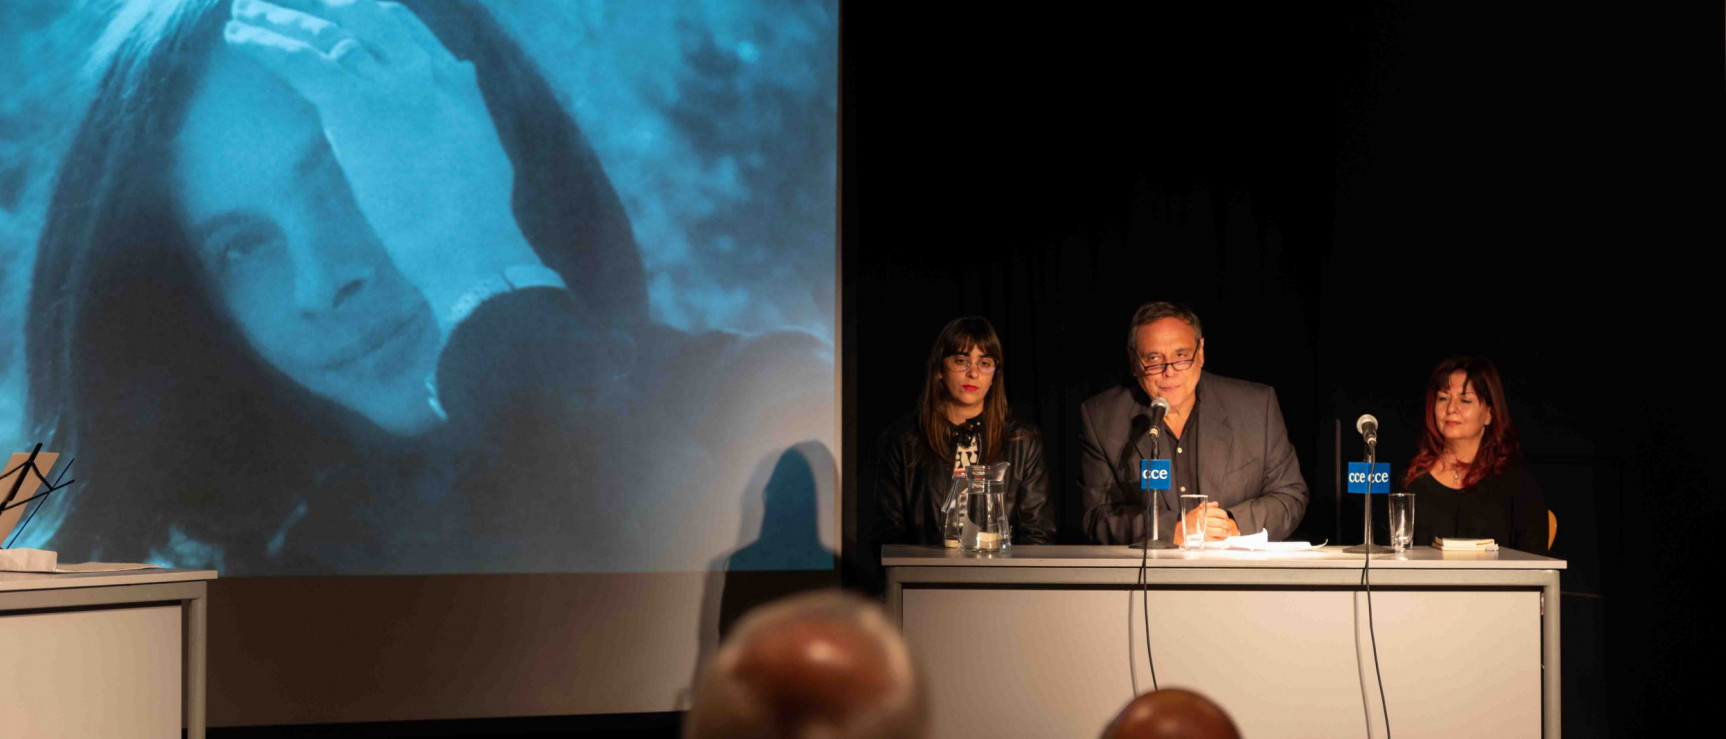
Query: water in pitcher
(985, 527)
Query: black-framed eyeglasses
(961, 363)
(1180, 365)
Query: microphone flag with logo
(1358, 481)
(1154, 474)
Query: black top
(911, 483)
(1181, 452)
(1507, 507)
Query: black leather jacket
(910, 483)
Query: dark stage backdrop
(1346, 195)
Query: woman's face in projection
(284, 247)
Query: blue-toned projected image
(315, 287)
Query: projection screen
(544, 291)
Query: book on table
(1452, 544)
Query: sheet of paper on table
(1260, 542)
(42, 560)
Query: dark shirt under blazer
(1246, 463)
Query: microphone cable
(1144, 582)
(1144, 563)
(1151, 497)
(1372, 634)
(1145, 602)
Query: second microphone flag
(1357, 478)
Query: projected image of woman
(338, 285)
(962, 419)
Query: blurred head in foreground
(1171, 714)
(823, 664)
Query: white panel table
(1049, 641)
(109, 654)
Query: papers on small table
(1260, 542)
(1464, 545)
(42, 560)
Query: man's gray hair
(1153, 312)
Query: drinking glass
(954, 509)
(1190, 503)
(1401, 521)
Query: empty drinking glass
(1401, 521)
(954, 509)
(1192, 539)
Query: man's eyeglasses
(1180, 365)
(957, 363)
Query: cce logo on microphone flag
(1357, 477)
(1154, 474)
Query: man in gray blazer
(1225, 439)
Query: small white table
(1050, 640)
(103, 654)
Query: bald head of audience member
(1172, 713)
(823, 664)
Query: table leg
(895, 596)
(192, 641)
(1551, 674)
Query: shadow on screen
(784, 556)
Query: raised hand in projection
(408, 127)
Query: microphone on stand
(1159, 408)
(1149, 424)
(1367, 425)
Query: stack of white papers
(1260, 542)
(1464, 545)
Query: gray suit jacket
(1245, 462)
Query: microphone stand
(1154, 542)
(1367, 547)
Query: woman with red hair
(1468, 478)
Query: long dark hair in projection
(180, 428)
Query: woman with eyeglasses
(1468, 478)
(962, 419)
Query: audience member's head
(823, 664)
(1171, 713)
